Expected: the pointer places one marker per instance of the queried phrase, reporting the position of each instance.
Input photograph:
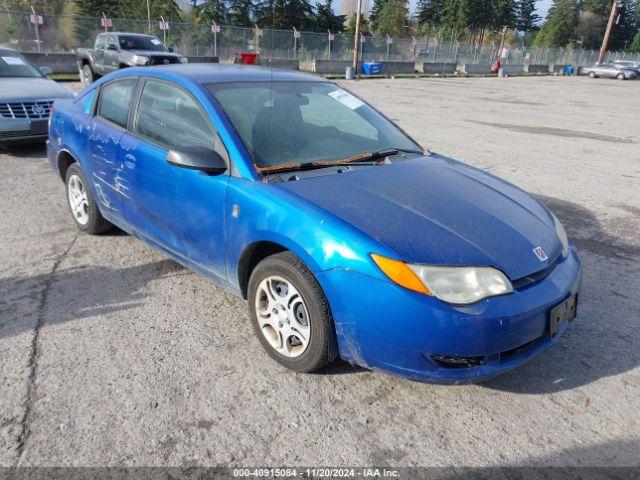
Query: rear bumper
(385, 327)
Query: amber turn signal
(400, 273)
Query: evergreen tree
(211, 11)
(240, 13)
(374, 14)
(429, 14)
(454, 15)
(299, 14)
(393, 18)
(325, 19)
(560, 25)
(526, 17)
(503, 14)
(635, 44)
(350, 29)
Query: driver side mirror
(111, 46)
(197, 158)
(46, 70)
(170, 49)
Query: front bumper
(19, 130)
(386, 327)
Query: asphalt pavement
(112, 354)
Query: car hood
(18, 88)
(151, 53)
(435, 210)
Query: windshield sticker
(13, 61)
(346, 99)
(155, 41)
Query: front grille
(30, 110)
(528, 280)
(159, 60)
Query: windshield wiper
(361, 158)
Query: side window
(169, 116)
(101, 42)
(115, 98)
(111, 40)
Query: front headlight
(140, 60)
(562, 235)
(456, 285)
(184, 60)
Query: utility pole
(612, 18)
(149, 14)
(356, 39)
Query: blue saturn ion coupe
(345, 237)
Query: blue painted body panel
(428, 209)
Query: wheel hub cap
(78, 199)
(282, 316)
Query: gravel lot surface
(112, 354)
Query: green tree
(374, 13)
(503, 14)
(635, 44)
(350, 29)
(393, 18)
(526, 17)
(211, 11)
(429, 14)
(325, 19)
(240, 13)
(560, 25)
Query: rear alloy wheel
(87, 75)
(620, 76)
(82, 205)
(290, 313)
(592, 74)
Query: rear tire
(620, 76)
(592, 74)
(82, 205)
(290, 314)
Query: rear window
(15, 65)
(115, 98)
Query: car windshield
(140, 42)
(301, 123)
(15, 65)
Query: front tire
(88, 76)
(82, 205)
(290, 314)
(592, 74)
(620, 76)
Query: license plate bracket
(563, 312)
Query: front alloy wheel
(290, 314)
(282, 316)
(87, 75)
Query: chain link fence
(64, 34)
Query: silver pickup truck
(115, 50)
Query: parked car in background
(114, 50)
(26, 98)
(628, 64)
(609, 70)
(343, 234)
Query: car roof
(133, 34)
(204, 73)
